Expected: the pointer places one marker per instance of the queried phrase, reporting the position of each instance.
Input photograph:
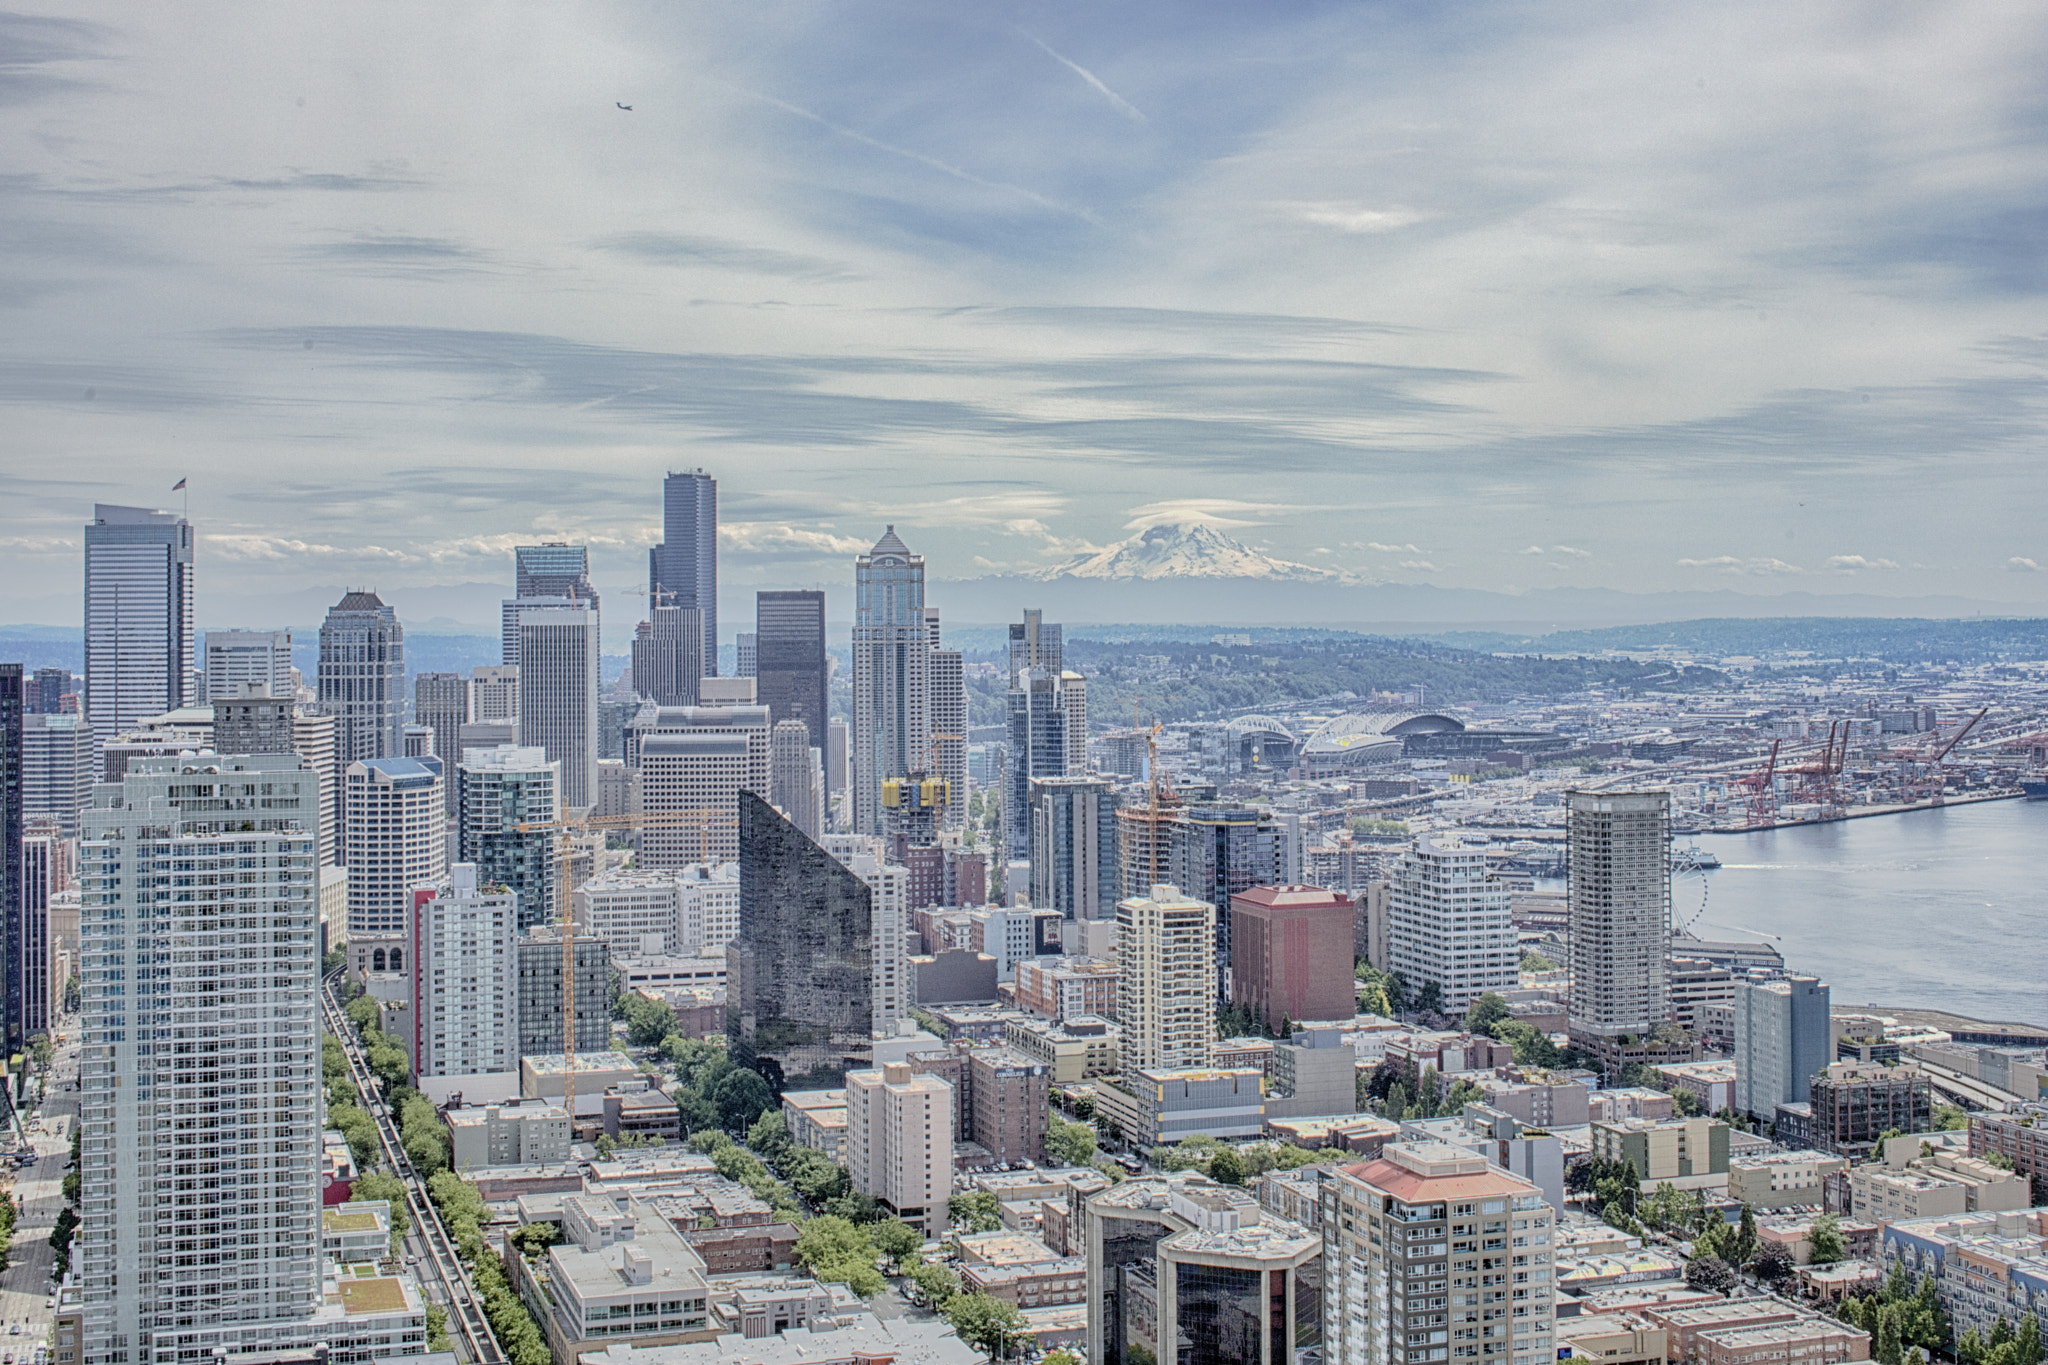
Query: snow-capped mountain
(1183, 550)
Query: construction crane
(1820, 778)
(704, 821)
(1760, 792)
(1934, 763)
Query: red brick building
(1290, 953)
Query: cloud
(1852, 563)
(1392, 549)
(782, 541)
(1533, 550)
(1572, 551)
(1228, 512)
(675, 248)
(1353, 219)
(1122, 105)
(280, 548)
(1764, 567)
(2018, 564)
(1418, 564)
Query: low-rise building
(1855, 1103)
(817, 1119)
(1612, 1339)
(1629, 1102)
(1074, 1049)
(1778, 1180)
(620, 1274)
(1154, 1108)
(357, 1231)
(1906, 1184)
(1061, 988)
(1313, 1072)
(1691, 1154)
(757, 1309)
(541, 1074)
(642, 1111)
(1756, 1331)
(1712, 1082)
(871, 1341)
(1547, 1099)
(516, 1133)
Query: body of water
(1941, 909)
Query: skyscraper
(746, 654)
(947, 686)
(790, 672)
(1291, 957)
(252, 721)
(465, 1014)
(558, 684)
(138, 616)
(440, 701)
(1166, 980)
(682, 571)
(1218, 850)
(394, 838)
(800, 976)
(40, 857)
(315, 737)
(1783, 1039)
(539, 953)
(668, 656)
(13, 902)
(1618, 860)
(891, 689)
(1038, 748)
(1448, 923)
(1073, 847)
(238, 997)
(499, 790)
(258, 658)
(56, 768)
(796, 776)
(494, 692)
(46, 692)
(553, 570)
(695, 761)
(362, 677)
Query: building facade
(254, 658)
(539, 955)
(558, 684)
(138, 616)
(361, 678)
(1074, 862)
(790, 671)
(498, 791)
(693, 762)
(797, 776)
(1782, 1040)
(394, 838)
(56, 768)
(465, 1008)
(1166, 967)
(668, 656)
(440, 701)
(891, 684)
(1291, 954)
(899, 1143)
(682, 570)
(1618, 860)
(1448, 923)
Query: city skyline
(1434, 300)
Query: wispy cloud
(1392, 549)
(1228, 512)
(1761, 567)
(2018, 564)
(1122, 105)
(782, 541)
(676, 248)
(1853, 563)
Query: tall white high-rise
(200, 1232)
(1166, 980)
(899, 1142)
(465, 1014)
(693, 762)
(947, 682)
(440, 701)
(796, 776)
(362, 677)
(558, 682)
(891, 663)
(314, 737)
(1448, 922)
(259, 658)
(394, 838)
(138, 617)
(494, 692)
(56, 768)
(1619, 861)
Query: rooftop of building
(587, 1063)
(1798, 1158)
(1435, 1171)
(811, 1101)
(904, 1340)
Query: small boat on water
(2036, 788)
(1695, 856)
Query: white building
(315, 737)
(899, 1142)
(797, 776)
(558, 684)
(1619, 846)
(1448, 922)
(465, 1014)
(494, 692)
(394, 838)
(889, 912)
(1166, 980)
(511, 1133)
(56, 768)
(637, 914)
(233, 995)
(693, 762)
(710, 905)
(138, 616)
(259, 658)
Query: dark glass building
(799, 977)
(13, 902)
(789, 662)
(1217, 851)
(682, 571)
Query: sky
(1640, 297)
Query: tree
(975, 1211)
(1227, 1167)
(1534, 962)
(1686, 1104)
(427, 1152)
(605, 1146)
(535, 1238)
(1948, 1118)
(894, 1238)
(741, 1096)
(649, 1022)
(377, 1185)
(1069, 1144)
(1430, 999)
(1709, 1273)
(769, 1134)
(1746, 1236)
(935, 1282)
(1772, 1263)
(1485, 1012)
(1825, 1239)
(989, 1325)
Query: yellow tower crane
(704, 821)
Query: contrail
(922, 159)
(1123, 105)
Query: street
(38, 1195)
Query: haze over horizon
(1659, 302)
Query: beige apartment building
(1166, 984)
(899, 1142)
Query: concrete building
(791, 672)
(1448, 922)
(1074, 861)
(539, 956)
(1423, 1219)
(1781, 1042)
(500, 789)
(1166, 953)
(796, 776)
(1711, 1083)
(635, 913)
(361, 679)
(1291, 954)
(817, 1119)
(620, 1276)
(315, 736)
(1777, 1180)
(558, 686)
(1618, 852)
(1854, 1104)
(682, 570)
(1074, 1049)
(891, 686)
(511, 1133)
(946, 688)
(1904, 1183)
(694, 761)
(465, 1006)
(1314, 1072)
(56, 768)
(1691, 1154)
(261, 659)
(253, 721)
(494, 695)
(394, 838)
(899, 1143)
(243, 997)
(1181, 1268)
(668, 656)
(138, 616)
(441, 702)
(1160, 1106)
(1985, 1266)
